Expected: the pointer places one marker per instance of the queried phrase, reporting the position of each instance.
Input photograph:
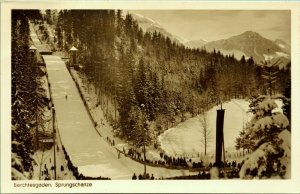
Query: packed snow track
(87, 150)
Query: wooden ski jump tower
(220, 137)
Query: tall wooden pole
(145, 171)
(219, 137)
(224, 157)
(54, 136)
(36, 127)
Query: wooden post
(219, 137)
(54, 135)
(145, 172)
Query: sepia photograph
(150, 94)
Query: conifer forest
(115, 94)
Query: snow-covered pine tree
(140, 134)
(20, 136)
(27, 96)
(270, 156)
(243, 142)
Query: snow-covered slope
(195, 43)
(185, 138)
(145, 22)
(86, 148)
(150, 25)
(283, 45)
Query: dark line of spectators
(75, 172)
(142, 177)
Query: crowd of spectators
(75, 172)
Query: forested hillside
(133, 92)
(26, 95)
(147, 76)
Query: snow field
(185, 139)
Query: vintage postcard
(123, 96)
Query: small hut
(73, 56)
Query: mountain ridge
(248, 43)
(150, 25)
(251, 43)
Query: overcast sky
(216, 24)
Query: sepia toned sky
(218, 24)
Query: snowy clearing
(185, 138)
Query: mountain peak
(250, 43)
(250, 34)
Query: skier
(66, 96)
